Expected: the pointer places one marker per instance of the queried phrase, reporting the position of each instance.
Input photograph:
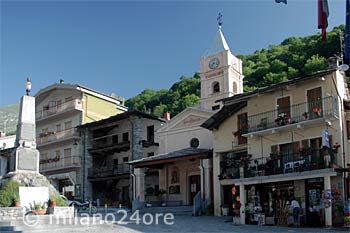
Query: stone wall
(136, 137)
(11, 212)
(61, 211)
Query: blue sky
(127, 46)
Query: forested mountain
(294, 57)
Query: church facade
(181, 174)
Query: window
(242, 126)
(115, 162)
(69, 98)
(57, 154)
(125, 137)
(150, 154)
(314, 102)
(348, 129)
(234, 88)
(216, 87)
(150, 133)
(194, 143)
(67, 152)
(67, 124)
(59, 104)
(125, 159)
(58, 128)
(283, 106)
(215, 107)
(115, 139)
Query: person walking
(296, 212)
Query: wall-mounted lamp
(28, 86)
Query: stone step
(176, 210)
(5, 223)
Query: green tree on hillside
(294, 57)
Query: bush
(9, 193)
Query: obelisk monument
(25, 156)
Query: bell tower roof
(218, 45)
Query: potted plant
(17, 201)
(161, 194)
(317, 111)
(38, 208)
(305, 115)
(53, 202)
(225, 209)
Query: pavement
(128, 225)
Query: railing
(121, 169)
(59, 163)
(55, 136)
(281, 164)
(53, 110)
(326, 107)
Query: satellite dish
(344, 67)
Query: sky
(124, 47)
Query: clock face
(214, 63)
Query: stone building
(108, 146)
(59, 109)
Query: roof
(219, 44)
(246, 95)
(225, 112)
(121, 116)
(67, 86)
(183, 153)
(234, 103)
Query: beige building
(183, 168)
(109, 145)
(291, 139)
(59, 109)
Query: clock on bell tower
(221, 73)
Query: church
(181, 174)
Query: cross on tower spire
(219, 19)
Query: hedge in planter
(9, 193)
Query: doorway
(195, 186)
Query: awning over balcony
(187, 153)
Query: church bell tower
(221, 73)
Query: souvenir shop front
(271, 202)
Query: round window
(194, 142)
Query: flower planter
(17, 204)
(39, 212)
(53, 203)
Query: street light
(28, 85)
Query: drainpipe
(342, 139)
(201, 167)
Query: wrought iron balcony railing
(323, 108)
(50, 136)
(120, 169)
(54, 110)
(280, 164)
(47, 164)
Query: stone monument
(25, 156)
(24, 161)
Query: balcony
(49, 137)
(246, 167)
(52, 111)
(103, 172)
(64, 163)
(296, 115)
(103, 145)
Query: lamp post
(28, 86)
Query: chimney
(167, 116)
(61, 81)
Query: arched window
(234, 88)
(216, 87)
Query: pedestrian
(296, 212)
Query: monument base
(27, 159)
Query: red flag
(323, 13)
